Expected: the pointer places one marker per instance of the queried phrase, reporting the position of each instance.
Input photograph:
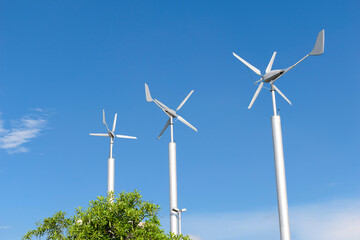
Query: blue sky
(62, 62)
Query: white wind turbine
(111, 160)
(174, 227)
(271, 76)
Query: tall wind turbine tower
(111, 160)
(174, 215)
(270, 77)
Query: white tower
(174, 227)
(271, 76)
(111, 160)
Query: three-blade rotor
(271, 76)
(111, 133)
(168, 111)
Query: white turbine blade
(283, 95)
(256, 94)
(165, 127)
(184, 101)
(186, 123)
(124, 136)
(319, 44)
(258, 80)
(104, 117)
(254, 69)
(104, 120)
(99, 134)
(114, 123)
(147, 93)
(268, 68)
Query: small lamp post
(179, 211)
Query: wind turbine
(271, 76)
(174, 227)
(111, 160)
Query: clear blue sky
(62, 62)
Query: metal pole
(273, 99)
(111, 174)
(171, 129)
(180, 222)
(172, 183)
(111, 171)
(280, 174)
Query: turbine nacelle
(170, 113)
(271, 76)
(111, 134)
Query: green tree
(127, 217)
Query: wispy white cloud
(22, 131)
(226, 226)
(336, 220)
(2, 129)
(5, 227)
(192, 237)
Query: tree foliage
(126, 217)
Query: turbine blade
(319, 44)
(268, 68)
(99, 134)
(258, 80)
(283, 95)
(124, 136)
(104, 120)
(104, 117)
(184, 101)
(147, 93)
(254, 69)
(256, 94)
(114, 123)
(165, 127)
(186, 123)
